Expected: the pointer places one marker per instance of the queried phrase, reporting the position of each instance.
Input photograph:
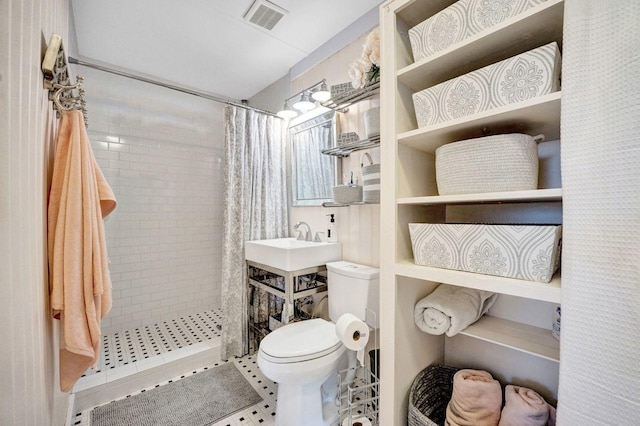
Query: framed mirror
(313, 174)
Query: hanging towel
(79, 282)
(476, 399)
(451, 309)
(525, 407)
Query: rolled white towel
(451, 309)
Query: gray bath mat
(197, 400)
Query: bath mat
(197, 400)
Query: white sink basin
(290, 254)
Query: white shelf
(551, 194)
(522, 337)
(537, 26)
(547, 292)
(534, 116)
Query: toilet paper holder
(359, 386)
(357, 402)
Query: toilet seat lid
(301, 340)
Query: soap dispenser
(332, 230)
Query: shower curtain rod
(166, 85)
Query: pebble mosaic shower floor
(126, 347)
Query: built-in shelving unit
(531, 29)
(548, 292)
(535, 116)
(409, 195)
(550, 194)
(515, 335)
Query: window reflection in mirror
(313, 174)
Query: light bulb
(287, 112)
(322, 94)
(304, 104)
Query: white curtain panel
(255, 208)
(600, 338)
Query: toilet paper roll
(352, 331)
(359, 421)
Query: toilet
(303, 358)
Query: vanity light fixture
(305, 100)
(304, 104)
(322, 94)
(287, 111)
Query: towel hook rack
(57, 81)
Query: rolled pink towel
(525, 407)
(476, 399)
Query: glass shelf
(346, 149)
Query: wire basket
(430, 393)
(358, 398)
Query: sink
(289, 254)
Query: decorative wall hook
(57, 80)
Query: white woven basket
(489, 164)
(347, 194)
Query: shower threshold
(138, 358)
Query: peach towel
(476, 399)
(525, 407)
(79, 282)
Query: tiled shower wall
(162, 153)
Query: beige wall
(358, 226)
(28, 354)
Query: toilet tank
(354, 289)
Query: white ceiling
(206, 44)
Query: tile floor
(142, 345)
(130, 346)
(122, 350)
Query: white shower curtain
(600, 340)
(255, 208)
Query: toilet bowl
(304, 358)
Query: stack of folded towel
(450, 309)
(477, 401)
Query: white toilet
(304, 357)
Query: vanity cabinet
(276, 297)
(514, 341)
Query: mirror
(313, 174)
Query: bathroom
(162, 153)
(158, 136)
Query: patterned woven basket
(430, 393)
(491, 164)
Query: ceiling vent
(264, 14)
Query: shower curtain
(255, 208)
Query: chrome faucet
(307, 234)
